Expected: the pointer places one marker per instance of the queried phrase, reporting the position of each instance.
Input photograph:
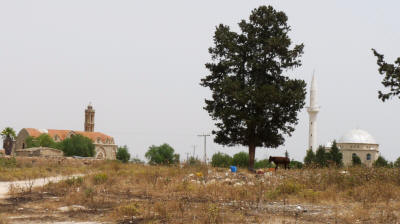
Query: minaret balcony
(313, 109)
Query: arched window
(368, 156)
(354, 155)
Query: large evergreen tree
(321, 157)
(335, 155)
(310, 157)
(391, 78)
(253, 101)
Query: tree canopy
(77, 145)
(381, 162)
(163, 154)
(335, 155)
(391, 79)
(43, 140)
(254, 102)
(123, 154)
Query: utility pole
(194, 151)
(205, 146)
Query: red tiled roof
(63, 134)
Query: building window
(354, 155)
(368, 156)
(23, 145)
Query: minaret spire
(313, 110)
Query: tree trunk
(7, 145)
(252, 154)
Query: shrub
(355, 160)
(129, 210)
(100, 178)
(381, 162)
(241, 159)
(163, 154)
(74, 181)
(123, 154)
(192, 161)
(221, 160)
(77, 145)
(397, 163)
(310, 157)
(295, 164)
(262, 164)
(44, 140)
(8, 162)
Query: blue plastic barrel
(233, 169)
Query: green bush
(193, 161)
(295, 164)
(262, 164)
(220, 159)
(77, 145)
(123, 154)
(241, 159)
(74, 181)
(44, 140)
(381, 162)
(163, 154)
(355, 160)
(100, 178)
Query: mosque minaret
(313, 110)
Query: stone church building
(105, 147)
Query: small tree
(321, 157)
(193, 161)
(241, 159)
(356, 161)
(8, 135)
(397, 163)
(262, 164)
(310, 157)
(220, 159)
(335, 155)
(163, 155)
(295, 164)
(44, 140)
(123, 154)
(77, 145)
(381, 162)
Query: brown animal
(280, 160)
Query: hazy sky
(140, 64)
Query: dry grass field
(113, 192)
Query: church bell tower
(313, 110)
(89, 119)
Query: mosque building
(354, 142)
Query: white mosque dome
(357, 136)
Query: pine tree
(310, 157)
(254, 102)
(321, 157)
(335, 155)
